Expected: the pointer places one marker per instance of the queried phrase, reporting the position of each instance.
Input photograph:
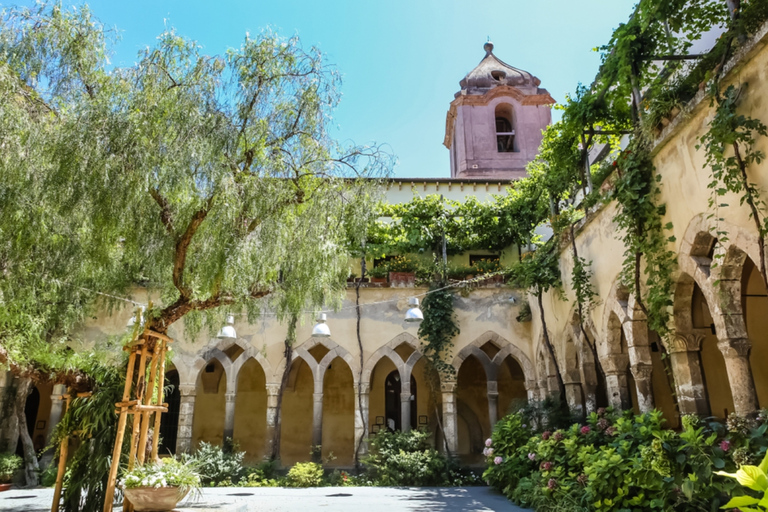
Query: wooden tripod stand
(147, 349)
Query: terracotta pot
(5, 487)
(402, 278)
(378, 279)
(154, 499)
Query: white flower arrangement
(167, 473)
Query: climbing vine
(729, 149)
(439, 328)
(644, 235)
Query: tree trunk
(551, 350)
(360, 375)
(289, 339)
(10, 418)
(31, 467)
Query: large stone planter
(5, 487)
(158, 499)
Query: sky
(401, 60)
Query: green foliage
(754, 478)
(305, 474)
(729, 149)
(166, 473)
(93, 421)
(439, 328)
(405, 263)
(619, 462)
(643, 234)
(538, 271)
(175, 173)
(406, 458)
(216, 464)
(10, 464)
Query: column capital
(273, 389)
(735, 347)
(684, 342)
(492, 387)
(362, 389)
(531, 385)
(317, 397)
(448, 386)
(230, 396)
(642, 371)
(405, 397)
(187, 389)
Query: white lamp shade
(414, 314)
(321, 329)
(132, 321)
(228, 331)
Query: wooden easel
(150, 348)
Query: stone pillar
(618, 389)
(450, 422)
(317, 425)
(736, 353)
(57, 411)
(685, 359)
(229, 414)
(362, 396)
(493, 402)
(573, 397)
(405, 404)
(532, 389)
(589, 386)
(272, 391)
(642, 373)
(186, 417)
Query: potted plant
(402, 270)
(10, 464)
(160, 485)
(379, 273)
(489, 266)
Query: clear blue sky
(401, 60)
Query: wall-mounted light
(228, 331)
(321, 329)
(414, 314)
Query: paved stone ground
(331, 499)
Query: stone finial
(488, 46)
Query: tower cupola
(494, 124)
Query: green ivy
(439, 328)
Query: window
(505, 129)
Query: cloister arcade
(231, 391)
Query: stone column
(57, 411)
(531, 387)
(589, 386)
(736, 353)
(450, 422)
(573, 397)
(493, 402)
(685, 359)
(186, 417)
(229, 414)
(362, 397)
(618, 389)
(405, 405)
(642, 373)
(272, 391)
(317, 425)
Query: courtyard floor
(335, 499)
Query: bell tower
(494, 124)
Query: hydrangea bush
(622, 462)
